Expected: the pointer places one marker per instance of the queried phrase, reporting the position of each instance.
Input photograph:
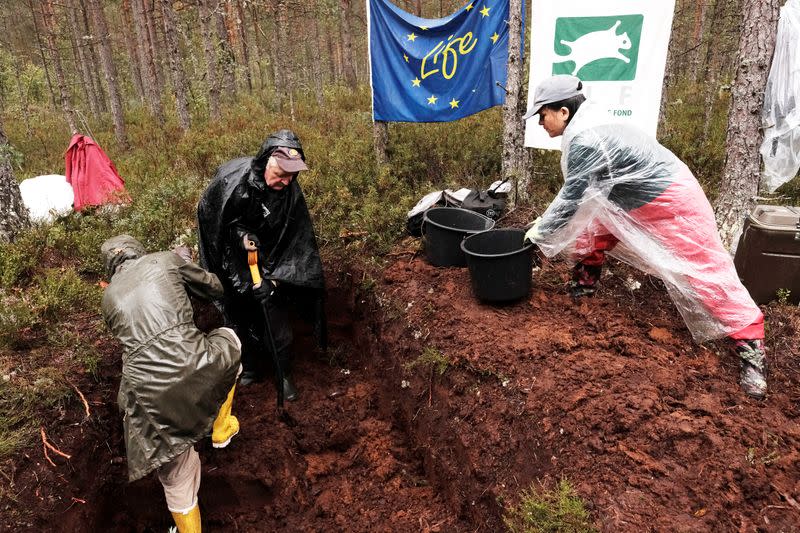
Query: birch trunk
(13, 213)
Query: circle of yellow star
(493, 38)
(405, 57)
(469, 7)
(485, 11)
(453, 103)
(423, 27)
(412, 37)
(415, 82)
(432, 99)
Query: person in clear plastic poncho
(627, 196)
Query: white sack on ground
(46, 197)
(781, 114)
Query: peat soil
(433, 412)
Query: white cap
(554, 89)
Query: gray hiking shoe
(752, 359)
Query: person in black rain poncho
(259, 200)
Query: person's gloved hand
(263, 292)
(250, 242)
(533, 234)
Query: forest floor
(433, 412)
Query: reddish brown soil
(607, 392)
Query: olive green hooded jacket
(174, 377)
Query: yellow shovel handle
(252, 262)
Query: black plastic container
(768, 254)
(443, 230)
(500, 265)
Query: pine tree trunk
(283, 73)
(710, 74)
(179, 83)
(742, 169)
(153, 45)
(13, 213)
(109, 69)
(133, 56)
(42, 54)
(316, 61)
(513, 150)
(91, 56)
(333, 65)
(260, 53)
(146, 64)
(225, 55)
(82, 59)
(211, 58)
(347, 46)
(669, 69)
(55, 57)
(698, 34)
(240, 26)
(380, 138)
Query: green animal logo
(598, 48)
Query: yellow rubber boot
(189, 522)
(226, 426)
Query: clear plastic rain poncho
(620, 182)
(781, 114)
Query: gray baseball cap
(554, 89)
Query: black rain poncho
(238, 202)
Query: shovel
(252, 262)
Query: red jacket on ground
(92, 174)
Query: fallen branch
(47, 446)
(83, 398)
(791, 501)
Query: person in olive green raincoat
(177, 382)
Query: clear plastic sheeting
(46, 197)
(622, 187)
(781, 114)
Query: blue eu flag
(437, 70)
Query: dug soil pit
(433, 412)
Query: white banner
(617, 47)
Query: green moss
(541, 511)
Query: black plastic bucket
(500, 265)
(444, 228)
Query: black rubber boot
(289, 390)
(584, 280)
(753, 366)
